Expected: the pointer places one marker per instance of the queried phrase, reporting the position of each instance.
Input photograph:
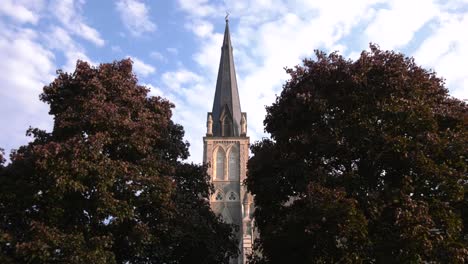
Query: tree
(2, 159)
(108, 185)
(370, 165)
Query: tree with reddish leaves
(107, 185)
(370, 165)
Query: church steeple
(226, 113)
(226, 149)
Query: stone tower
(226, 148)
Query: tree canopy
(370, 165)
(107, 184)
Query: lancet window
(220, 157)
(227, 126)
(234, 163)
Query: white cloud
(21, 11)
(206, 57)
(28, 63)
(396, 26)
(200, 8)
(175, 80)
(201, 28)
(452, 5)
(445, 51)
(268, 35)
(191, 93)
(59, 39)
(154, 91)
(26, 67)
(68, 12)
(134, 15)
(141, 68)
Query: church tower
(226, 148)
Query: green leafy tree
(370, 165)
(108, 185)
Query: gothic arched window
(234, 163)
(227, 126)
(219, 164)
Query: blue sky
(175, 46)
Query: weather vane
(227, 16)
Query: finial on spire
(227, 16)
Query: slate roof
(226, 101)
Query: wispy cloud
(269, 35)
(141, 68)
(200, 8)
(59, 39)
(68, 12)
(445, 50)
(395, 26)
(21, 12)
(176, 79)
(135, 16)
(26, 67)
(201, 28)
(192, 96)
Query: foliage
(108, 185)
(370, 165)
(2, 159)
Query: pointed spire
(226, 106)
